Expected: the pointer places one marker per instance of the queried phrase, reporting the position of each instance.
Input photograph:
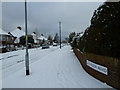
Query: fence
(106, 69)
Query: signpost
(97, 67)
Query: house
(16, 34)
(34, 37)
(5, 41)
(42, 40)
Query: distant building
(35, 36)
(42, 40)
(16, 34)
(5, 40)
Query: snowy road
(14, 61)
(58, 68)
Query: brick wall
(112, 64)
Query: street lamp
(60, 32)
(26, 35)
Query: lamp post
(60, 32)
(26, 35)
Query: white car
(54, 44)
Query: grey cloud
(44, 17)
(0, 15)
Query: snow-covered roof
(81, 35)
(42, 37)
(3, 32)
(33, 34)
(17, 33)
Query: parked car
(3, 49)
(54, 44)
(45, 46)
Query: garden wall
(106, 69)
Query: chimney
(19, 27)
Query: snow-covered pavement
(52, 68)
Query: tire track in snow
(9, 69)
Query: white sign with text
(97, 67)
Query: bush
(103, 35)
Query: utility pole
(60, 32)
(26, 35)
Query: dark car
(45, 46)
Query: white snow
(17, 33)
(49, 68)
(34, 37)
(17, 40)
(42, 38)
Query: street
(14, 61)
(49, 68)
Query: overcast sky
(43, 17)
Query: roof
(3, 32)
(17, 33)
(42, 37)
(33, 34)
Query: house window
(0, 37)
(4, 38)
